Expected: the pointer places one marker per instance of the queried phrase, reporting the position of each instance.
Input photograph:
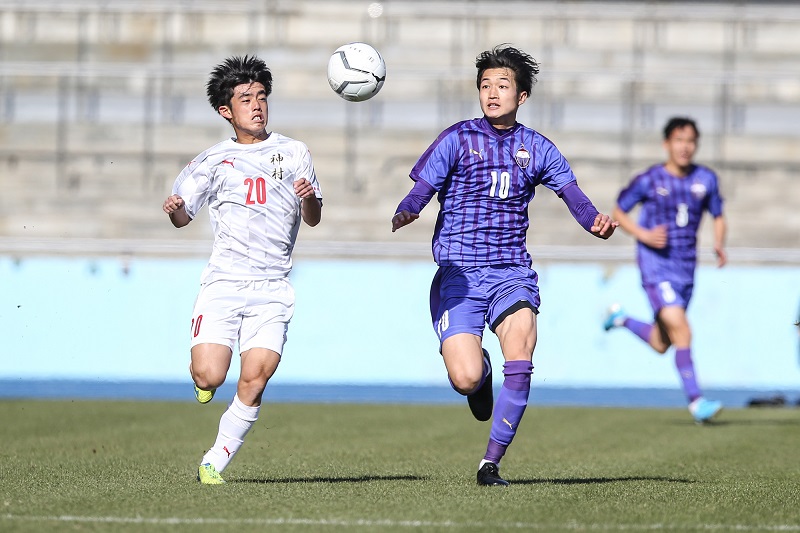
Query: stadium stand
(102, 103)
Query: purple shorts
(666, 293)
(466, 299)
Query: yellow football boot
(203, 396)
(208, 475)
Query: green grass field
(130, 466)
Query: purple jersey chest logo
(522, 157)
(698, 190)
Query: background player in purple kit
(484, 172)
(673, 197)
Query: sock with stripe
(509, 408)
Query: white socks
(233, 426)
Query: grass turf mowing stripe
(400, 523)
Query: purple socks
(509, 408)
(683, 358)
(640, 329)
(683, 362)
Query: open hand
(604, 226)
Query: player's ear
(225, 111)
(521, 97)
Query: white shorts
(254, 313)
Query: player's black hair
(677, 123)
(233, 72)
(505, 56)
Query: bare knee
(660, 339)
(207, 378)
(206, 375)
(661, 348)
(209, 365)
(464, 382)
(463, 358)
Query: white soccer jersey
(254, 211)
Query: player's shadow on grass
(595, 480)
(320, 479)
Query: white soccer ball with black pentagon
(356, 72)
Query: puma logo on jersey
(661, 191)
(229, 162)
(478, 153)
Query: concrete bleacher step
(101, 177)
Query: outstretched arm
(585, 213)
(410, 207)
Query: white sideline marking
(397, 523)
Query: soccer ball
(356, 72)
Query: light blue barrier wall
(367, 322)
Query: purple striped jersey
(485, 180)
(679, 204)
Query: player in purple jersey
(484, 172)
(673, 197)
(258, 186)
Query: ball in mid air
(356, 72)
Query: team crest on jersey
(661, 191)
(522, 157)
(698, 190)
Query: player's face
(681, 147)
(499, 98)
(248, 112)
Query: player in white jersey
(258, 185)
